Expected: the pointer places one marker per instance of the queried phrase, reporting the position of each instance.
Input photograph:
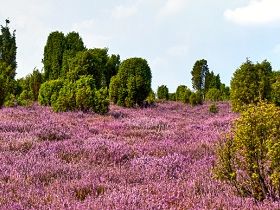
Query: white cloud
(121, 11)
(172, 7)
(257, 12)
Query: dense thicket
(132, 84)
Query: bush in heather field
(66, 100)
(25, 98)
(49, 92)
(213, 108)
(132, 84)
(213, 94)
(249, 158)
(85, 89)
(10, 100)
(163, 92)
(183, 94)
(151, 99)
(101, 101)
(195, 98)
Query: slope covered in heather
(155, 158)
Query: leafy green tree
(90, 62)
(53, 55)
(199, 72)
(183, 94)
(112, 67)
(250, 84)
(248, 158)
(8, 50)
(212, 81)
(163, 92)
(133, 82)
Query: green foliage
(8, 50)
(53, 55)
(114, 89)
(101, 101)
(275, 93)
(199, 72)
(90, 62)
(3, 89)
(212, 81)
(66, 100)
(183, 94)
(213, 94)
(49, 92)
(250, 84)
(172, 96)
(163, 92)
(85, 93)
(112, 67)
(132, 84)
(249, 158)
(195, 98)
(25, 98)
(151, 99)
(213, 108)
(10, 100)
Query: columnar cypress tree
(53, 55)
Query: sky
(170, 34)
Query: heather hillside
(153, 158)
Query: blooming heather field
(158, 158)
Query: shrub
(49, 92)
(183, 94)
(25, 98)
(163, 92)
(132, 84)
(66, 100)
(213, 108)
(151, 99)
(10, 101)
(101, 101)
(213, 94)
(85, 89)
(195, 98)
(249, 159)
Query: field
(154, 158)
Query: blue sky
(170, 34)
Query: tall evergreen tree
(199, 72)
(8, 50)
(53, 55)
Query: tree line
(77, 78)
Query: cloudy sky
(170, 34)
